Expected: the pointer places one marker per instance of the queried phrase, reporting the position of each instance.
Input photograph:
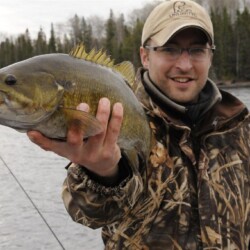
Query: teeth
(182, 80)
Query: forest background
(122, 38)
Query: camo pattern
(183, 203)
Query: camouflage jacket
(196, 193)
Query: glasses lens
(198, 54)
(171, 53)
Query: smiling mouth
(182, 79)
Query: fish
(41, 93)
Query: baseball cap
(172, 16)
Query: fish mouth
(18, 116)
(9, 115)
(5, 100)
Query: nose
(183, 62)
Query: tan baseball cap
(172, 16)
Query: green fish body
(41, 93)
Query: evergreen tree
(60, 48)
(52, 41)
(23, 46)
(224, 41)
(87, 34)
(76, 31)
(29, 45)
(127, 45)
(7, 52)
(41, 43)
(137, 31)
(111, 38)
(67, 44)
(242, 31)
(132, 43)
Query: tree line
(122, 39)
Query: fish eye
(10, 80)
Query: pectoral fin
(82, 120)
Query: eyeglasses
(173, 53)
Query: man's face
(183, 78)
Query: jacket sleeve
(95, 205)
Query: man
(197, 191)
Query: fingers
(114, 125)
(44, 142)
(100, 153)
(39, 139)
(103, 114)
(61, 148)
(104, 146)
(106, 142)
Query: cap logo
(182, 9)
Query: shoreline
(234, 85)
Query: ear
(144, 57)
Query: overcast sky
(17, 15)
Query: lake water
(41, 175)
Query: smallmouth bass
(41, 93)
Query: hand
(100, 153)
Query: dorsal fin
(98, 57)
(126, 69)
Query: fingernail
(104, 101)
(83, 107)
(118, 106)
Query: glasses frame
(180, 50)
